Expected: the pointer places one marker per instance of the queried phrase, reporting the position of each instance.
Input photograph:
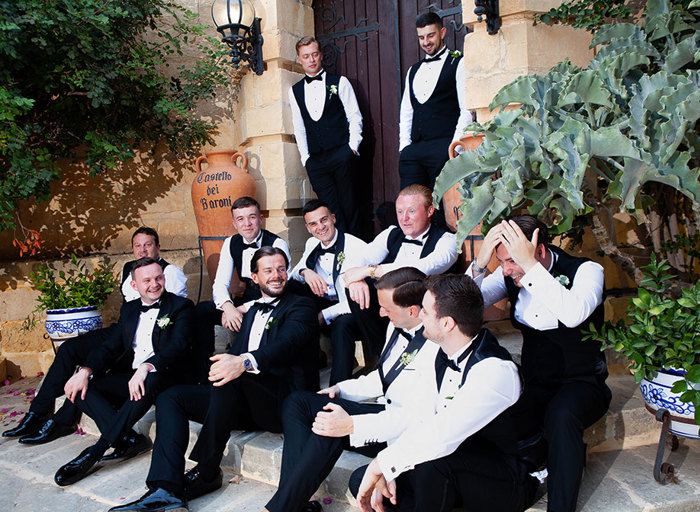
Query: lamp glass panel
(233, 12)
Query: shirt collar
(332, 242)
(420, 237)
(320, 73)
(454, 357)
(257, 241)
(412, 331)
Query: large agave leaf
(682, 54)
(617, 31)
(473, 209)
(585, 87)
(620, 46)
(455, 169)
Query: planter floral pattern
(657, 393)
(68, 323)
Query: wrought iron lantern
(488, 9)
(240, 30)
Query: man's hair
(142, 262)
(266, 251)
(418, 190)
(428, 18)
(408, 284)
(459, 297)
(144, 230)
(528, 224)
(313, 205)
(305, 41)
(244, 202)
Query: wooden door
(373, 43)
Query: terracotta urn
(214, 189)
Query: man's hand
(78, 383)
(316, 283)
(518, 246)
(359, 292)
(355, 274)
(373, 489)
(136, 386)
(334, 423)
(332, 392)
(231, 317)
(226, 368)
(491, 241)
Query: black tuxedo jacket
(171, 344)
(289, 346)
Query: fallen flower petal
(41, 374)
(4, 411)
(327, 501)
(6, 382)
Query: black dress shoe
(196, 486)
(130, 446)
(48, 432)
(77, 469)
(155, 500)
(312, 506)
(29, 425)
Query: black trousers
(107, 402)
(563, 411)
(332, 176)
(307, 458)
(344, 331)
(372, 326)
(206, 316)
(474, 478)
(421, 162)
(71, 353)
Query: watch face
(248, 365)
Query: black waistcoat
(501, 434)
(396, 237)
(552, 355)
(126, 271)
(331, 130)
(437, 117)
(252, 291)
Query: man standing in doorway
(328, 131)
(433, 107)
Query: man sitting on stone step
(148, 351)
(554, 297)
(416, 242)
(236, 255)
(275, 353)
(460, 446)
(328, 253)
(39, 425)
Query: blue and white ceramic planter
(62, 324)
(657, 394)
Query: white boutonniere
(563, 280)
(341, 259)
(270, 323)
(407, 357)
(164, 322)
(332, 89)
(455, 54)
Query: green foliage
(89, 82)
(630, 117)
(589, 15)
(662, 331)
(72, 288)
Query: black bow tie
(445, 362)
(308, 79)
(250, 246)
(143, 308)
(326, 250)
(265, 307)
(411, 241)
(403, 333)
(435, 57)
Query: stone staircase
(618, 475)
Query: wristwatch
(476, 268)
(247, 364)
(372, 269)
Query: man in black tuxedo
(146, 353)
(554, 297)
(275, 353)
(39, 425)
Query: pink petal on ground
(6, 382)
(40, 374)
(4, 411)
(21, 377)
(13, 414)
(16, 393)
(327, 501)
(8, 392)
(31, 391)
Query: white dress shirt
(492, 385)
(543, 301)
(143, 338)
(315, 99)
(353, 250)
(175, 282)
(443, 256)
(416, 379)
(224, 272)
(261, 322)
(423, 86)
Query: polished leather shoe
(155, 500)
(312, 506)
(49, 431)
(130, 446)
(196, 486)
(29, 425)
(77, 469)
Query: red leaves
(31, 243)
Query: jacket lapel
(339, 249)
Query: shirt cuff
(537, 275)
(391, 469)
(251, 358)
(364, 428)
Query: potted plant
(661, 339)
(71, 298)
